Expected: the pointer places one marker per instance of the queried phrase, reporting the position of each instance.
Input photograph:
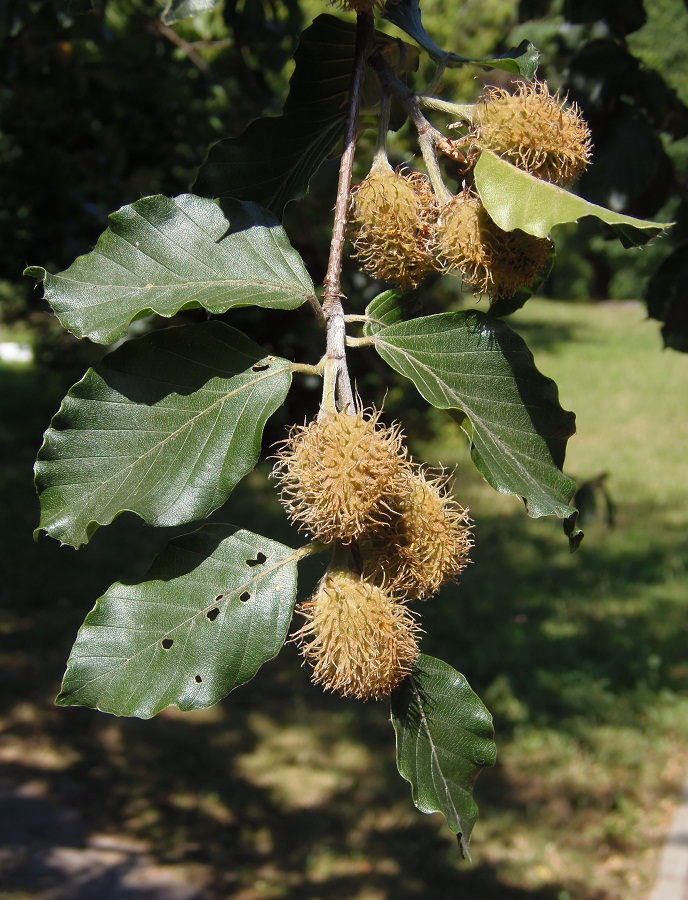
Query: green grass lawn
(282, 792)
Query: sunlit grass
(281, 791)
(582, 659)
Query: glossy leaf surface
(444, 738)
(405, 14)
(165, 426)
(471, 362)
(515, 199)
(161, 255)
(214, 606)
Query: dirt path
(46, 853)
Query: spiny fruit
(335, 474)
(393, 224)
(534, 131)
(497, 262)
(359, 641)
(427, 541)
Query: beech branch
(332, 299)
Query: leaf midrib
(294, 556)
(126, 471)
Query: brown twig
(430, 138)
(332, 299)
(183, 45)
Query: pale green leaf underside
(162, 254)
(473, 363)
(515, 199)
(164, 427)
(444, 737)
(386, 309)
(215, 605)
(406, 15)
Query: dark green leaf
(667, 299)
(214, 606)
(621, 18)
(386, 309)
(515, 199)
(273, 161)
(444, 738)
(160, 255)
(184, 9)
(405, 14)
(474, 363)
(165, 426)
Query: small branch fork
(430, 139)
(332, 299)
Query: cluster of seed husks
(347, 479)
(400, 233)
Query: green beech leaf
(214, 606)
(386, 309)
(273, 161)
(184, 9)
(165, 426)
(405, 14)
(515, 199)
(160, 255)
(471, 362)
(666, 295)
(444, 738)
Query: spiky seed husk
(393, 220)
(534, 131)
(336, 473)
(428, 541)
(496, 262)
(359, 641)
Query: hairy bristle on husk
(534, 131)
(359, 641)
(427, 541)
(496, 262)
(335, 474)
(393, 220)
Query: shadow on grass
(597, 634)
(281, 791)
